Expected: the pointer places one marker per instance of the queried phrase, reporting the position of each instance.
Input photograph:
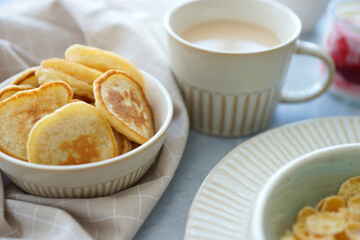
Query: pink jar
(342, 41)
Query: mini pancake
(134, 145)
(84, 99)
(75, 134)
(74, 69)
(102, 60)
(10, 90)
(79, 87)
(123, 144)
(123, 103)
(20, 112)
(26, 77)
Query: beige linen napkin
(34, 30)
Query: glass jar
(342, 42)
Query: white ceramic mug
(235, 93)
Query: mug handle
(312, 49)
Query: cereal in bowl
(350, 188)
(335, 217)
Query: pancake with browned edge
(26, 77)
(122, 101)
(102, 60)
(75, 134)
(10, 90)
(20, 112)
(77, 70)
(80, 88)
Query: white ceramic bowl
(304, 181)
(309, 11)
(100, 178)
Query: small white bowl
(302, 182)
(100, 178)
(309, 11)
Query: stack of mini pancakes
(84, 108)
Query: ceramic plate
(222, 206)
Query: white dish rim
(192, 228)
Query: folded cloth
(31, 31)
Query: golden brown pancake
(134, 145)
(79, 87)
(123, 103)
(74, 69)
(10, 90)
(20, 112)
(74, 134)
(102, 60)
(26, 77)
(123, 144)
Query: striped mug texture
(229, 115)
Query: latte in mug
(231, 35)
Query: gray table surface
(168, 219)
